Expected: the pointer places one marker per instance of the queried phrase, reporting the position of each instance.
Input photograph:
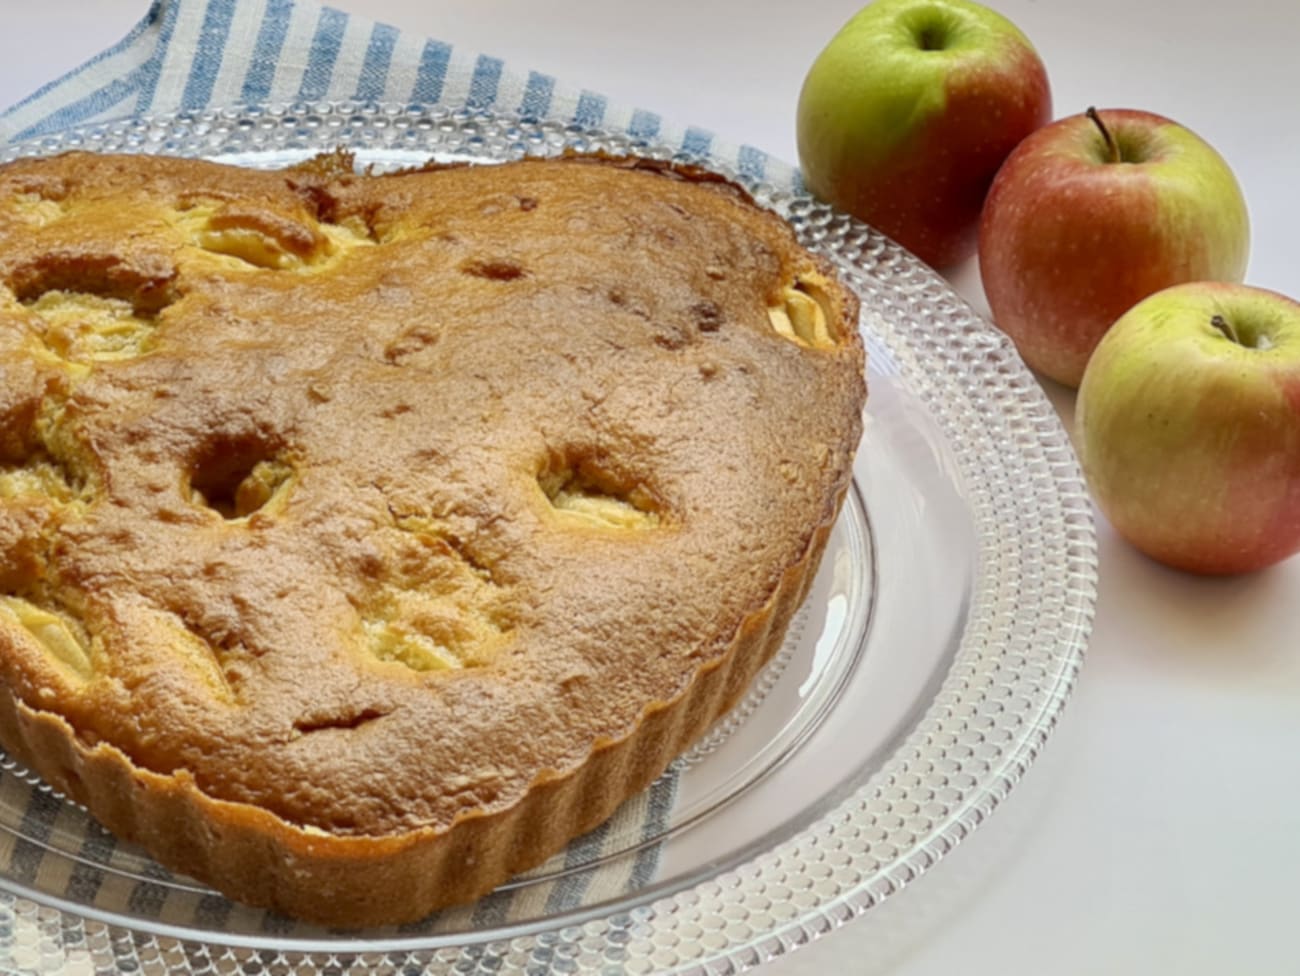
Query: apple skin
(1189, 440)
(1070, 240)
(905, 117)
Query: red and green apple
(1188, 422)
(905, 117)
(1093, 213)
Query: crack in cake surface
(583, 492)
(60, 636)
(435, 608)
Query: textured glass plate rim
(988, 372)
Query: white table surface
(1160, 830)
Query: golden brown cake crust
(379, 534)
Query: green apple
(1189, 427)
(907, 114)
(1091, 214)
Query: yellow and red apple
(1093, 213)
(907, 114)
(1189, 427)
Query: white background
(1160, 831)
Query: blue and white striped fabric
(195, 54)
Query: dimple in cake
(365, 538)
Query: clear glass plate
(917, 684)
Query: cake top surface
(314, 482)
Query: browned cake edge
(257, 858)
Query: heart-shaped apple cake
(365, 538)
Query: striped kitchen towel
(191, 55)
(194, 54)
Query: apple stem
(1112, 147)
(1222, 324)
